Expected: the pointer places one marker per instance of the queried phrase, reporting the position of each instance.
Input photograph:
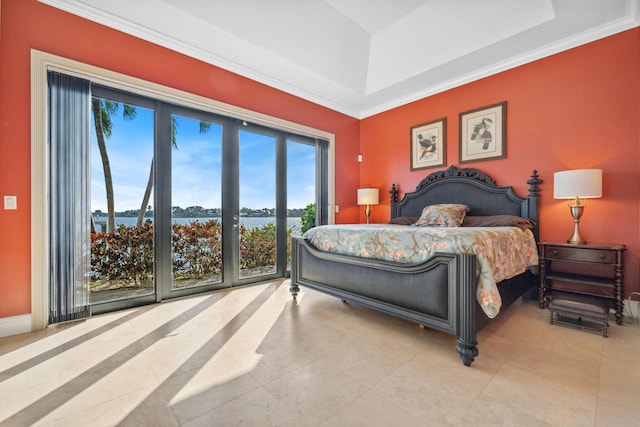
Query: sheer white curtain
(69, 211)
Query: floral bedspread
(501, 252)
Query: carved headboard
(470, 187)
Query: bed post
(467, 303)
(295, 265)
(534, 202)
(394, 201)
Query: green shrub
(257, 247)
(308, 218)
(125, 256)
(197, 249)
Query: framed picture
(483, 133)
(428, 144)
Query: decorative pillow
(444, 215)
(404, 220)
(498, 221)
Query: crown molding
(330, 94)
(632, 20)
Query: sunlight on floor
(73, 365)
(253, 356)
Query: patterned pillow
(444, 215)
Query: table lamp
(368, 197)
(577, 184)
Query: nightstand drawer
(580, 254)
(605, 271)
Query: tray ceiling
(362, 57)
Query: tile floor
(252, 357)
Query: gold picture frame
(429, 144)
(483, 133)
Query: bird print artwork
(428, 146)
(481, 133)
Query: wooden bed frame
(440, 292)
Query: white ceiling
(362, 57)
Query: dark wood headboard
(470, 187)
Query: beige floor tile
(256, 408)
(144, 407)
(176, 356)
(254, 356)
(435, 387)
(374, 410)
(620, 367)
(196, 392)
(620, 382)
(315, 391)
(612, 414)
(363, 361)
(519, 397)
(290, 344)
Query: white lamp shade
(583, 183)
(367, 196)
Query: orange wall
(577, 109)
(27, 24)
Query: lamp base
(576, 213)
(576, 239)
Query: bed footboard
(439, 293)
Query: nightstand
(591, 269)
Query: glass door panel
(257, 221)
(196, 203)
(301, 186)
(122, 235)
(301, 190)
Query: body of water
(249, 222)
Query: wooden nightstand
(591, 269)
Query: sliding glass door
(186, 201)
(196, 203)
(258, 224)
(122, 211)
(303, 184)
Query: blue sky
(196, 166)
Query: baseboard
(15, 325)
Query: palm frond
(205, 127)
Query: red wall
(27, 24)
(577, 109)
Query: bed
(441, 291)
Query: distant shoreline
(247, 221)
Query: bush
(197, 249)
(124, 257)
(308, 218)
(257, 247)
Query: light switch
(10, 202)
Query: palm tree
(103, 110)
(204, 128)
